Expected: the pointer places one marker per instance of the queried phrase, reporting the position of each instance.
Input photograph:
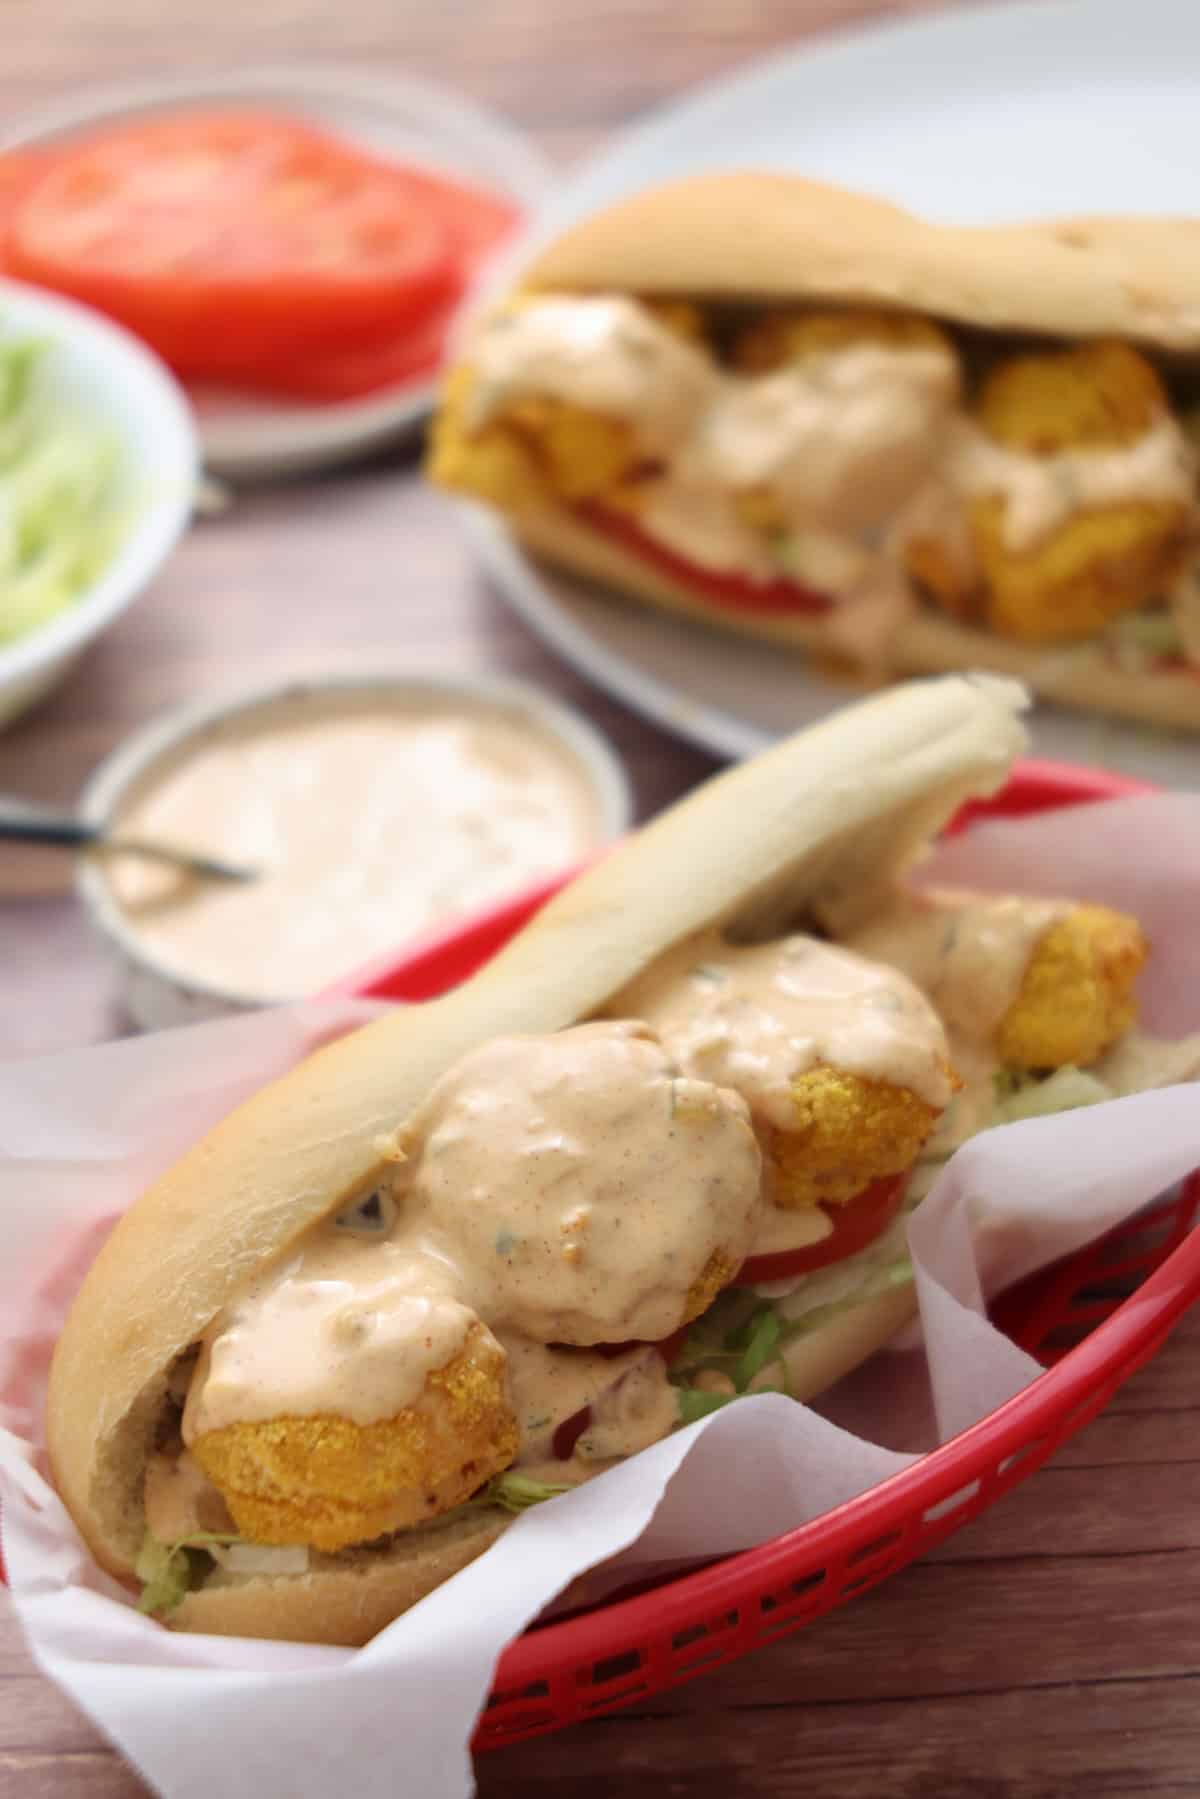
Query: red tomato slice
(855, 1224)
(19, 169)
(722, 590)
(474, 223)
(224, 237)
(328, 376)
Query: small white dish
(156, 993)
(245, 436)
(96, 371)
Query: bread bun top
(754, 236)
(806, 833)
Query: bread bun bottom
(349, 1602)
(929, 642)
(346, 1604)
(818, 1361)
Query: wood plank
(1087, 1512)
(1058, 1742)
(938, 1630)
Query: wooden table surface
(1052, 1648)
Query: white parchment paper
(82, 1133)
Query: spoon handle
(21, 822)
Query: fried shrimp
(571, 400)
(1076, 998)
(540, 1160)
(849, 1132)
(1100, 556)
(329, 1482)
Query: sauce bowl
(160, 987)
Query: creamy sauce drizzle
(699, 522)
(1042, 492)
(861, 447)
(370, 823)
(569, 1189)
(756, 1018)
(583, 1182)
(842, 437)
(345, 1326)
(608, 355)
(969, 954)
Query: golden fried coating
(783, 337)
(328, 1482)
(581, 454)
(1077, 995)
(1101, 562)
(544, 448)
(493, 464)
(1097, 566)
(716, 1273)
(850, 1131)
(1096, 395)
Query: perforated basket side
(633, 1647)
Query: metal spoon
(21, 822)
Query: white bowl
(97, 371)
(155, 994)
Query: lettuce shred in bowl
(60, 523)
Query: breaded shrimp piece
(1076, 998)
(1103, 560)
(841, 1060)
(570, 398)
(328, 1482)
(835, 423)
(849, 1132)
(597, 1193)
(492, 464)
(541, 446)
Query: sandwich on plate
(806, 415)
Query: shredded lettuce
(168, 1571)
(58, 523)
(517, 1492)
(738, 1337)
(1027, 1096)
(1155, 632)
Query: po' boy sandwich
(655, 1155)
(799, 413)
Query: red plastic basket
(1078, 1317)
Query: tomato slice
(737, 591)
(19, 170)
(328, 376)
(474, 222)
(224, 237)
(855, 1224)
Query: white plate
(1003, 113)
(402, 117)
